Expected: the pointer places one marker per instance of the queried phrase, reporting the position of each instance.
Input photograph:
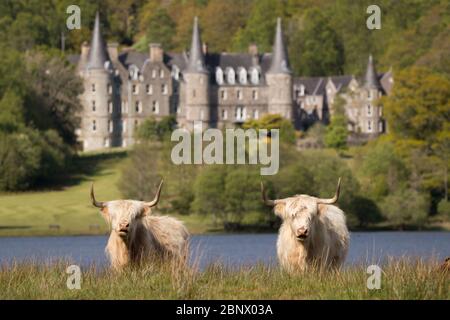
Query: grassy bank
(66, 209)
(400, 280)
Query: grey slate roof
(371, 79)
(196, 58)
(98, 54)
(280, 62)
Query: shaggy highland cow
(313, 232)
(136, 235)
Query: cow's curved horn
(98, 204)
(266, 201)
(155, 201)
(335, 198)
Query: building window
(149, 89)
(224, 114)
(240, 113)
(302, 90)
(223, 94)
(109, 88)
(369, 126)
(135, 89)
(231, 76)
(202, 114)
(93, 106)
(110, 107)
(380, 126)
(93, 87)
(194, 93)
(124, 125)
(380, 111)
(369, 94)
(255, 114)
(243, 76)
(255, 76)
(154, 73)
(239, 95)
(155, 107)
(110, 126)
(106, 143)
(124, 106)
(161, 73)
(219, 76)
(94, 125)
(138, 107)
(164, 89)
(255, 95)
(369, 110)
(136, 123)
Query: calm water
(235, 250)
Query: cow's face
(299, 213)
(124, 215)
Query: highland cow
(313, 232)
(137, 235)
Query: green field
(401, 279)
(69, 207)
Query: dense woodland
(401, 177)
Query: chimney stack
(253, 49)
(156, 52)
(113, 51)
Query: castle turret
(196, 83)
(279, 78)
(100, 124)
(371, 116)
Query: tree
(322, 52)
(274, 121)
(160, 28)
(336, 133)
(11, 112)
(152, 129)
(260, 26)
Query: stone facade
(220, 89)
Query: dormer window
(219, 76)
(242, 76)
(134, 72)
(231, 76)
(254, 77)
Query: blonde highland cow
(138, 236)
(313, 232)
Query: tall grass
(401, 279)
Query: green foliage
(274, 121)
(161, 29)
(153, 129)
(405, 206)
(321, 49)
(336, 133)
(444, 208)
(11, 112)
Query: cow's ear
(146, 211)
(105, 213)
(280, 209)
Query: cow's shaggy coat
(313, 232)
(137, 236)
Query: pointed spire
(98, 54)
(196, 59)
(371, 79)
(280, 62)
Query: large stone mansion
(220, 89)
